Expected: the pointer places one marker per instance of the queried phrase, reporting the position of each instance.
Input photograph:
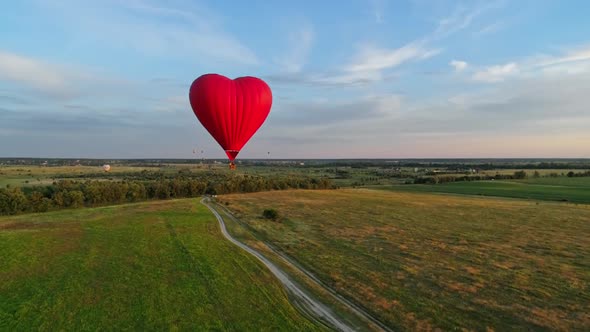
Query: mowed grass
(149, 266)
(575, 190)
(424, 261)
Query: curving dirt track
(304, 299)
(311, 305)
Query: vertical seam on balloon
(232, 106)
(239, 104)
(258, 122)
(226, 116)
(243, 110)
(220, 117)
(214, 115)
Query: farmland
(576, 190)
(147, 266)
(415, 256)
(421, 261)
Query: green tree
(59, 199)
(75, 198)
(12, 201)
(36, 201)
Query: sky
(350, 79)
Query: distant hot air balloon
(231, 110)
(106, 168)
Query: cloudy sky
(350, 79)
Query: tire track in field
(212, 294)
(357, 309)
(306, 301)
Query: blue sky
(350, 79)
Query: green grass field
(148, 266)
(423, 261)
(576, 190)
(23, 176)
(579, 182)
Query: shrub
(520, 175)
(271, 214)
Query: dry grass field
(422, 261)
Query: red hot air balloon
(231, 110)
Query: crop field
(581, 182)
(147, 266)
(423, 261)
(36, 175)
(576, 190)
(529, 172)
(26, 176)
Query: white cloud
(576, 56)
(302, 41)
(496, 73)
(371, 62)
(388, 104)
(550, 109)
(491, 28)
(178, 29)
(32, 72)
(57, 81)
(462, 18)
(378, 8)
(572, 62)
(172, 104)
(458, 65)
(348, 78)
(371, 58)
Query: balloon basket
(232, 166)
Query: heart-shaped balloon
(231, 110)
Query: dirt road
(305, 300)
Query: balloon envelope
(106, 168)
(231, 110)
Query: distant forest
(143, 186)
(481, 164)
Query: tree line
(91, 193)
(518, 175)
